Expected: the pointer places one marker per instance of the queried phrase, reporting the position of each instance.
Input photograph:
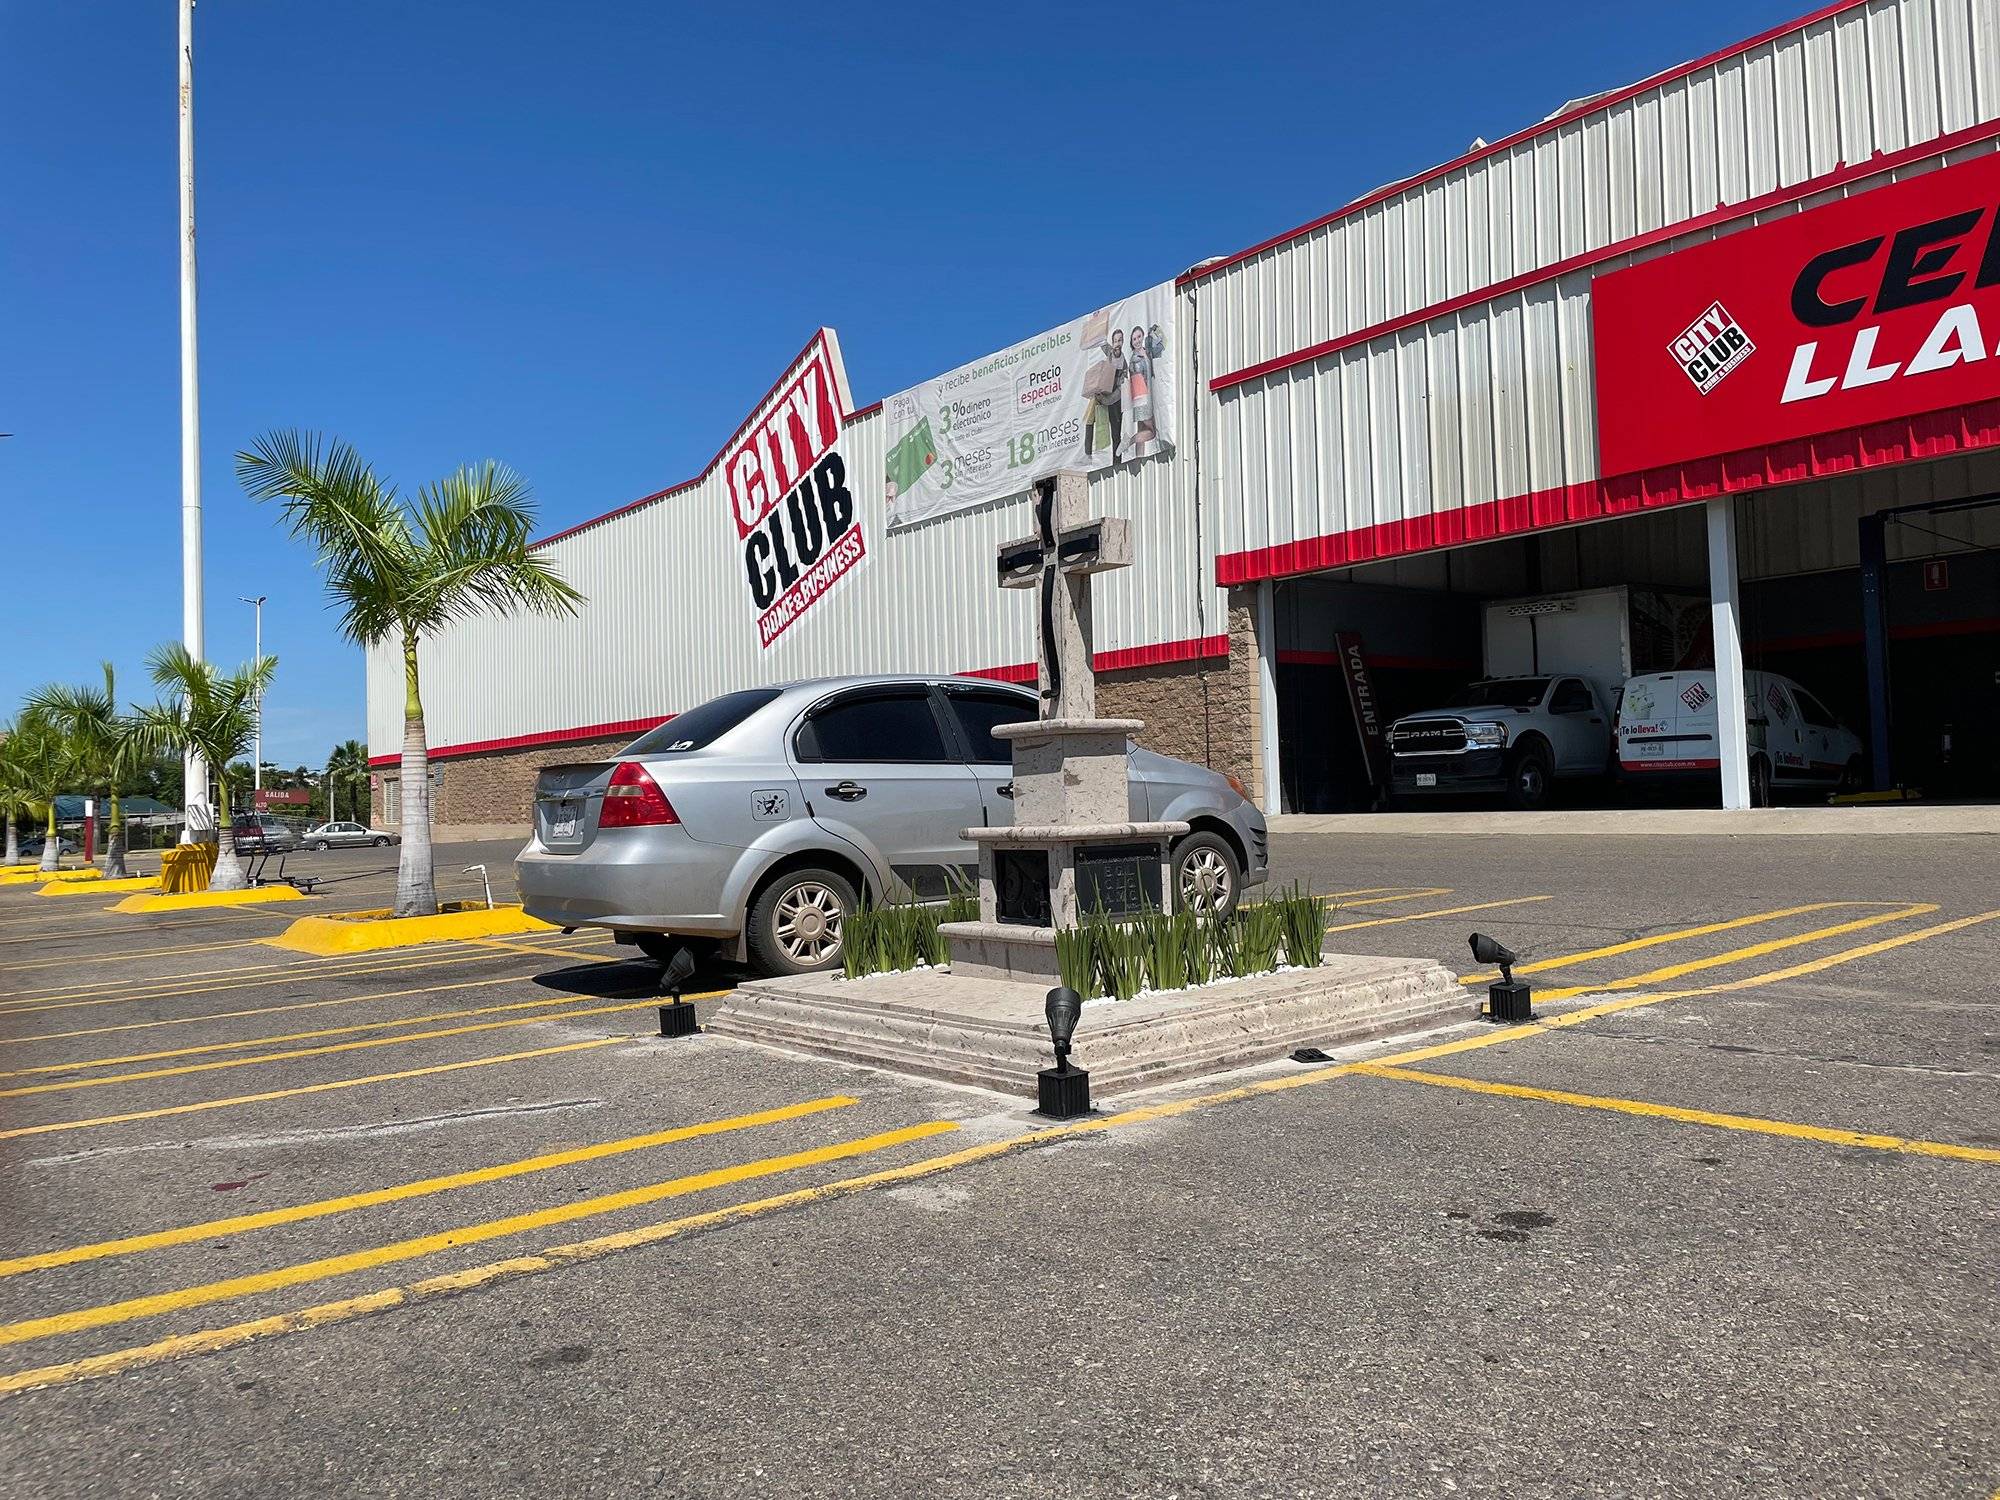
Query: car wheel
(318, 846)
(1528, 781)
(796, 922)
(1760, 782)
(381, 843)
(1850, 776)
(1207, 877)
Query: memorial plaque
(1021, 886)
(1117, 880)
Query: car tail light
(634, 800)
(1236, 786)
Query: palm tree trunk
(114, 847)
(416, 870)
(228, 874)
(52, 849)
(13, 840)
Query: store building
(1733, 330)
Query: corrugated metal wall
(1495, 401)
(1489, 402)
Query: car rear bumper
(636, 880)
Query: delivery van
(1666, 728)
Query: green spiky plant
(1076, 959)
(1305, 917)
(210, 713)
(108, 747)
(1260, 934)
(399, 573)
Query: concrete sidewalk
(1892, 819)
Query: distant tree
(107, 745)
(46, 759)
(401, 572)
(347, 765)
(16, 793)
(214, 714)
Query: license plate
(1427, 778)
(1655, 750)
(563, 824)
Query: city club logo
(1710, 347)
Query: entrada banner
(1880, 306)
(791, 495)
(1094, 392)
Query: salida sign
(797, 526)
(1877, 307)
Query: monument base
(991, 1033)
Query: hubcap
(1206, 880)
(807, 923)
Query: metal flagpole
(257, 655)
(194, 773)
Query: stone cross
(1067, 547)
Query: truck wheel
(1760, 782)
(1528, 781)
(1206, 875)
(797, 920)
(1850, 776)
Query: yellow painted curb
(99, 887)
(188, 899)
(30, 875)
(364, 931)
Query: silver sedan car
(347, 836)
(754, 823)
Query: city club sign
(1871, 309)
(798, 530)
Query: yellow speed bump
(365, 931)
(250, 896)
(99, 887)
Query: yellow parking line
(451, 1239)
(174, 986)
(1562, 960)
(189, 1234)
(126, 958)
(1448, 911)
(1742, 955)
(309, 1088)
(1685, 1116)
(308, 1036)
(212, 1340)
(297, 1052)
(271, 1010)
(100, 928)
(1411, 893)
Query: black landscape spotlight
(1063, 1092)
(677, 1017)
(1509, 1000)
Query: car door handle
(847, 791)
(1005, 789)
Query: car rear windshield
(701, 727)
(1505, 692)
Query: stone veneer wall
(1204, 711)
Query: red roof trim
(1932, 435)
(1507, 143)
(818, 339)
(1874, 167)
(1195, 648)
(621, 728)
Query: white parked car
(1666, 727)
(346, 836)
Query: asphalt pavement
(450, 1221)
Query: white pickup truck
(1513, 735)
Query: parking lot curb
(99, 887)
(187, 900)
(366, 931)
(22, 875)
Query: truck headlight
(1486, 736)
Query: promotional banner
(1094, 392)
(1872, 308)
(790, 493)
(1361, 698)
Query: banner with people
(1092, 393)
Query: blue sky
(582, 239)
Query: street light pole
(256, 656)
(194, 773)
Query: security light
(678, 1018)
(1062, 1092)
(1508, 1000)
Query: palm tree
(213, 714)
(349, 763)
(399, 572)
(45, 758)
(16, 796)
(106, 743)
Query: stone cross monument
(1073, 848)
